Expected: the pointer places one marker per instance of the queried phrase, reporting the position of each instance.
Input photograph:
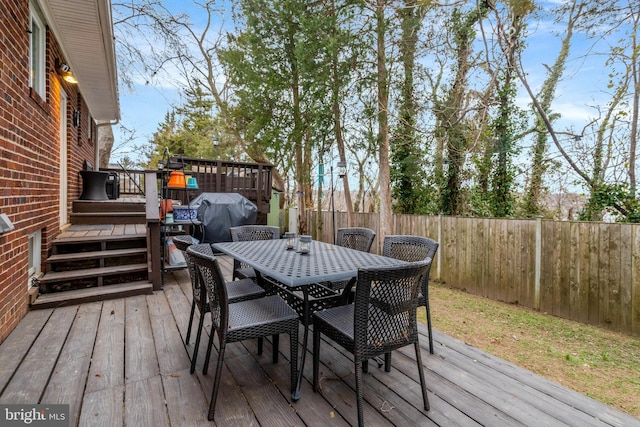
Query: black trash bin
(113, 186)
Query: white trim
(64, 218)
(37, 50)
(35, 256)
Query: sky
(146, 106)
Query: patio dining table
(296, 271)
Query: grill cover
(219, 211)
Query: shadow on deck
(124, 362)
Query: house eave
(84, 31)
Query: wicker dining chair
(240, 290)
(358, 238)
(413, 248)
(256, 318)
(244, 233)
(382, 319)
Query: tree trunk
(532, 197)
(386, 214)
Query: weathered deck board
(141, 360)
(124, 362)
(107, 367)
(19, 342)
(69, 377)
(103, 408)
(31, 377)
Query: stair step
(79, 256)
(57, 276)
(101, 293)
(84, 206)
(108, 217)
(98, 238)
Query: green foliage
(407, 175)
(188, 129)
(294, 75)
(507, 123)
(616, 199)
(410, 190)
(279, 68)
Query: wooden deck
(124, 362)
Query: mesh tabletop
(324, 262)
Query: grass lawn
(599, 363)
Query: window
(37, 50)
(35, 257)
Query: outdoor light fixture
(76, 118)
(342, 169)
(65, 72)
(216, 142)
(5, 223)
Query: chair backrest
(358, 238)
(385, 307)
(210, 276)
(182, 243)
(243, 233)
(410, 249)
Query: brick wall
(30, 155)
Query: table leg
(346, 292)
(305, 336)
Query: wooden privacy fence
(584, 271)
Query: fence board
(464, 250)
(604, 255)
(635, 292)
(565, 294)
(550, 249)
(476, 254)
(502, 238)
(495, 262)
(529, 268)
(511, 287)
(613, 279)
(626, 276)
(581, 297)
(593, 256)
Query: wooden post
(153, 229)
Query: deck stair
(118, 211)
(95, 262)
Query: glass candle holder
(290, 237)
(304, 246)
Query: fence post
(293, 220)
(538, 262)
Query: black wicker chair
(245, 233)
(382, 319)
(240, 290)
(243, 320)
(413, 248)
(358, 238)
